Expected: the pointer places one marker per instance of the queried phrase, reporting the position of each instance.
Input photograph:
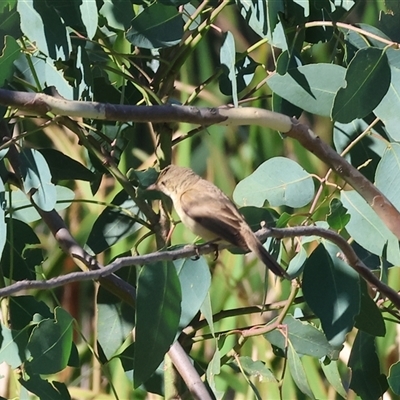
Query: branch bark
(192, 251)
(40, 104)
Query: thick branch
(41, 104)
(386, 211)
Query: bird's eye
(162, 183)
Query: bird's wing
(219, 217)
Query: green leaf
(206, 310)
(305, 338)
(339, 302)
(44, 389)
(394, 378)
(118, 13)
(296, 264)
(37, 179)
(367, 229)
(331, 371)
(50, 344)
(263, 18)
(195, 280)
(311, 87)
(214, 369)
(89, 16)
(24, 210)
(22, 252)
(115, 320)
(255, 369)
(367, 82)
(44, 73)
(370, 319)
(279, 180)
(227, 58)
(387, 109)
(114, 223)
(63, 167)
(157, 317)
(13, 346)
(3, 226)
(10, 52)
(42, 25)
(244, 70)
(297, 371)
(366, 379)
(338, 217)
(25, 309)
(366, 152)
(387, 178)
(156, 26)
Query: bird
(209, 213)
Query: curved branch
(192, 251)
(41, 104)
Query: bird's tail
(262, 253)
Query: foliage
(334, 63)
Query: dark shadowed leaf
(156, 26)
(50, 344)
(114, 223)
(339, 302)
(367, 82)
(366, 378)
(157, 317)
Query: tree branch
(192, 251)
(39, 103)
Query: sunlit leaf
(311, 87)
(367, 229)
(279, 180)
(36, 178)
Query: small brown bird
(209, 213)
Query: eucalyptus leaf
(311, 87)
(279, 180)
(50, 343)
(298, 373)
(228, 59)
(339, 303)
(366, 378)
(13, 349)
(23, 209)
(43, 25)
(394, 378)
(305, 338)
(9, 53)
(36, 178)
(367, 82)
(387, 109)
(158, 314)
(387, 178)
(156, 26)
(367, 229)
(116, 222)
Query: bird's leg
(213, 243)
